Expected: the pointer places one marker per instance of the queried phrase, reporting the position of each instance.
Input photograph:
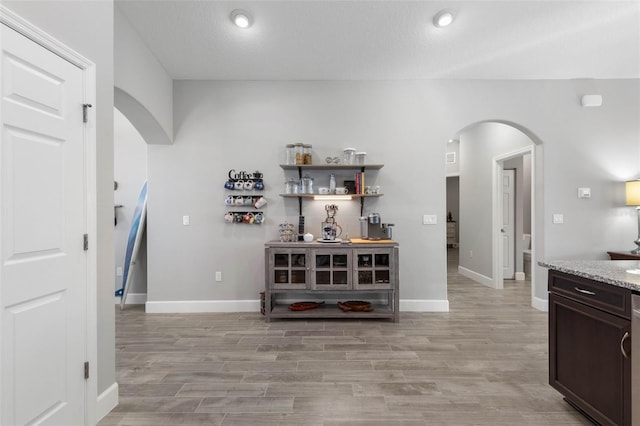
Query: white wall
(144, 90)
(130, 171)
(87, 27)
(405, 125)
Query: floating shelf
(331, 166)
(328, 195)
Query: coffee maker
(372, 229)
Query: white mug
(230, 200)
(260, 202)
(238, 185)
(342, 190)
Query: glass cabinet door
(330, 269)
(373, 269)
(289, 269)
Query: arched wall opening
(134, 129)
(481, 150)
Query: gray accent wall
(222, 125)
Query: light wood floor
(483, 363)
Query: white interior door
(508, 224)
(43, 266)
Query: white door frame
(510, 226)
(496, 197)
(17, 23)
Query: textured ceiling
(391, 40)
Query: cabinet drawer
(616, 300)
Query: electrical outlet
(218, 276)
(558, 218)
(186, 220)
(119, 271)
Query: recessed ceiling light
(241, 18)
(443, 19)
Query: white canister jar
(349, 156)
(361, 157)
(291, 154)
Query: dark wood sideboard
(623, 255)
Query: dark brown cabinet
(589, 346)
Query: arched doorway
(483, 150)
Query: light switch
(186, 221)
(558, 218)
(584, 192)
(429, 219)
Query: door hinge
(86, 370)
(85, 113)
(85, 242)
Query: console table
(332, 272)
(623, 255)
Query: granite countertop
(614, 272)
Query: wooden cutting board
(361, 241)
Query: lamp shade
(633, 192)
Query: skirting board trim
(203, 306)
(424, 305)
(540, 304)
(479, 278)
(186, 306)
(133, 299)
(107, 401)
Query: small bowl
(323, 190)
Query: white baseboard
(520, 276)
(479, 278)
(202, 306)
(106, 401)
(133, 299)
(192, 306)
(424, 305)
(540, 304)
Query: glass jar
(361, 157)
(306, 185)
(299, 153)
(291, 187)
(349, 156)
(306, 152)
(291, 154)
